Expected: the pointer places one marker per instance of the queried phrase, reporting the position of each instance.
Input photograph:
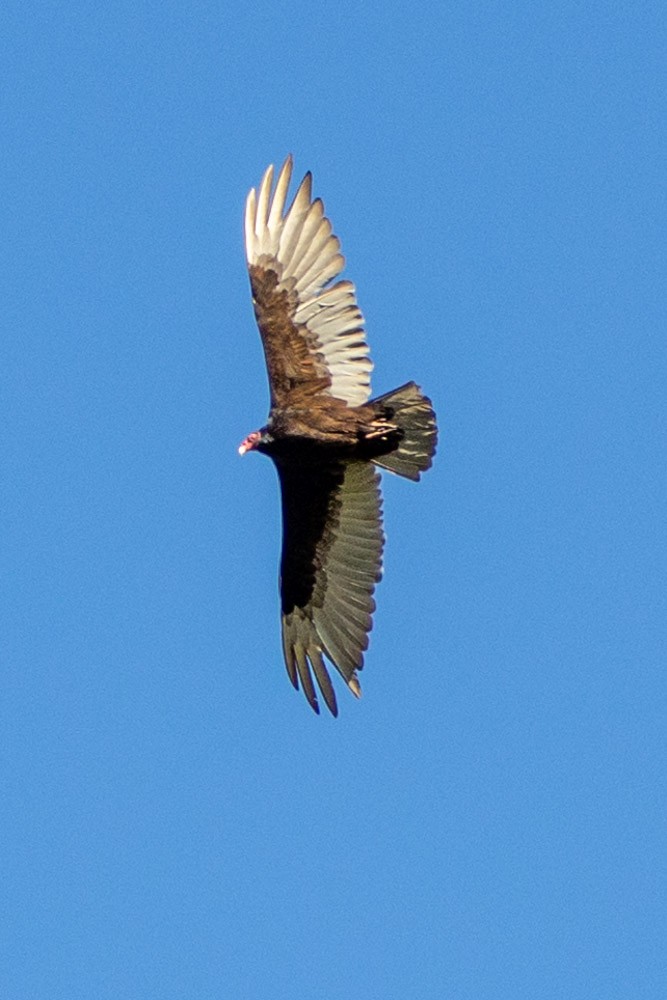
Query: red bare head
(250, 442)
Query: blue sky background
(489, 821)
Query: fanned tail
(412, 411)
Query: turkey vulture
(324, 436)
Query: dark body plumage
(323, 434)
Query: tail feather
(412, 411)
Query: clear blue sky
(488, 822)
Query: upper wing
(312, 331)
(331, 561)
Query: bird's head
(257, 441)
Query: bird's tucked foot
(380, 429)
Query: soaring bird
(324, 435)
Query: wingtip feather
(354, 686)
(262, 212)
(280, 194)
(249, 223)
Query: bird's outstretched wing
(331, 561)
(312, 330)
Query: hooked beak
(250, 442)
